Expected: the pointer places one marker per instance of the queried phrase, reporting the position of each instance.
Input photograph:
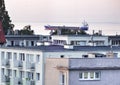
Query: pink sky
(64, 10)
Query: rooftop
(94, 63)
(58, 48)
(22, 37)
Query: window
(9, 72)
(80, 75)
(3, 71)
(38, 76)
(29, 57)
(15, 56)
(15, 73)
(85, 75)
(38, 58)
(21, 74)
(72, 43)
(9, 55)
(12, 43)
(62, 79)
(89, 75)
(32, 43)
(32, 75)
(97, 75)
(2, 55)
(27, 43)
(22, 56)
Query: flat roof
(22, 37)
(58, 48)
(94, 64)
(82, 35)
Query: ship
(84, 27)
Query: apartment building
(82, 71)
(20, 67)
(75, 40)
(25, 40)
(23, 63)
(26, 65)
(80, 40)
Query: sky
(63, 10)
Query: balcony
(17, 81)
(30, 81)
(32, 67)
(7, 64)
(6, 79)
(20, 64)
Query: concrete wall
(70, 54)
(52, 74)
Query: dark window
(12, 43)
(32, 43)
(63, 78)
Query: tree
(4, 17)
(26, 30)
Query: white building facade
(80, 40)
(20, 67)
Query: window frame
(89, 73)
